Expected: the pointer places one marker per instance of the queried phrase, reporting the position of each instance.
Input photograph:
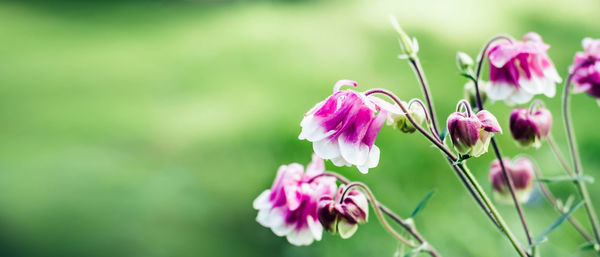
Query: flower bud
(470, 133)
(410, 48)
(344, 217)
(530, 129)
(520, 171)
(463, 61)
(401, 121)
(470, 93)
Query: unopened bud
(529, 129)
(471, 133)
(401, 121)
(463, 61)
(344, 217)
(520, 172)
(410, 47)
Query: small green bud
(402, 123)
(410, 47)
(463, 61)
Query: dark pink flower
(470, 133)
(521, 173)
(519, 70)
(587, 75)
(289, 208)
(343, 128)
(530, 128)
(343, 217)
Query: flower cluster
(343, 128)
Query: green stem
(493, 210)
(577, 161)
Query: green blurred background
(147, 128)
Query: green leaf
(422, 202)
(467, 75)
(543, 236)
(587, 179)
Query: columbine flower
(470, 133)
(587, 75)
(289, 208)
(344, 217)
(520, 172)
(520, 70)
(529, 129)
(343, 128)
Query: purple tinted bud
(471, 135)
(464, 131)
(344, 217)
(521, 173)
(529, 129)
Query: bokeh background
(147, 128)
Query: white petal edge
(315, 228)
(262, 201)
(300, 237)
(326, 148)
(372, 161)
(355, 153)
(500, 91)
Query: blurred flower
(470, 94)
(344, 217)
(587, 64)
(470, 133)
(521, 174)
(401, 121)
(289, 208)
(463, 61)
(529, 129)
(343, 128)
(520, 70)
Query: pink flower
(343, 128)
(520, 172)
(343, 217)
(471, 134)
(289, 208)
(587, 75)
(520, 70)
(530, 128)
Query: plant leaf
(543, 236)
(566, 178)
(586, 246)
(422, 202)
(444, 133)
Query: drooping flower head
(587, 64)
(289, 208)
(344, 126)
(529, 129)
(520, 171)
(521, 69)
(470, 133)
(343, 216)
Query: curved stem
(373, 201)
(464, 103)
(508, 179)
(409, 228)
(576, 160)
(429, 123)
(416, 64)
(431, 138)
(552, 201)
